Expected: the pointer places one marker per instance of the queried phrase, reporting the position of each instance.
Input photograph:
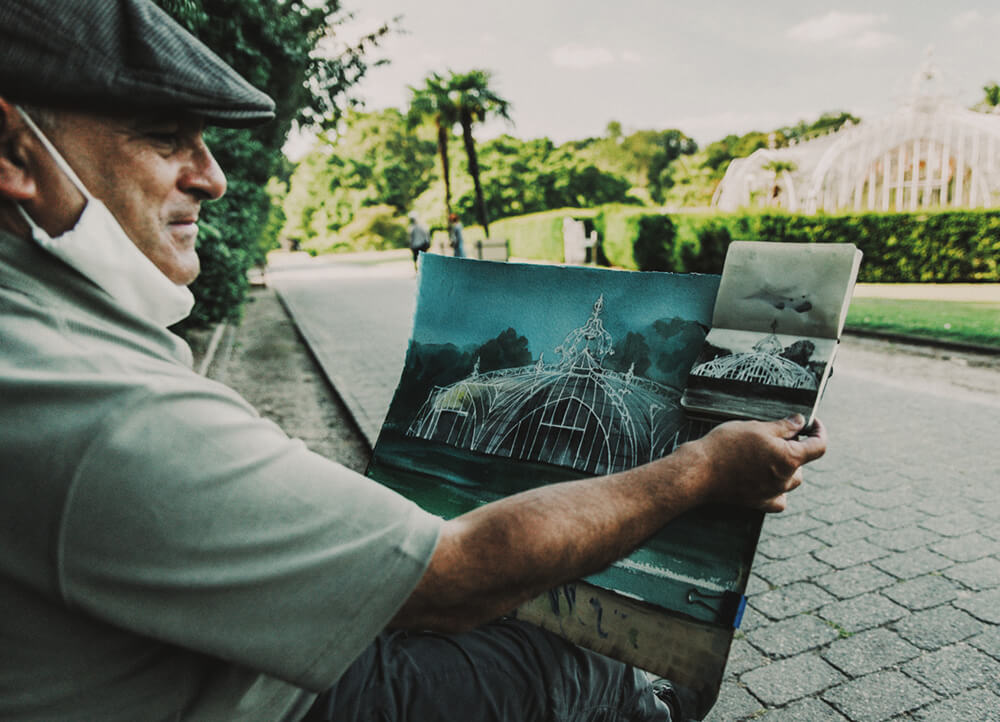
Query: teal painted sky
(544, 303)
(708, 68)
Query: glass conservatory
(929, 153)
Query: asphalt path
(876, 596)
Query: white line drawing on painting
(764, 364)
(575, 413)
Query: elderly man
(164, 552)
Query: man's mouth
(185, 228)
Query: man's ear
(17, 181)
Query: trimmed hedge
(940, 247)
(535, 236)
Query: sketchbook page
(796, 289)
(519, 375)
(754, 375)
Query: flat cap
(118, 55)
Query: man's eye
(170, 138)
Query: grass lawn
(963, 321)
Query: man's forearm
(497, 556)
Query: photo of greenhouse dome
(763, 365)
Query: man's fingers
(774, 504)
(791, 426)
(813, 444)
(796, 481)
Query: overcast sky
(708, 68)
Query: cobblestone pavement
(875, 597)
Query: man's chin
(186, 276)
(181, 269)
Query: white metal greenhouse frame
(930, 153)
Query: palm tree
(464, 98)
(434, 101)
(475, 101)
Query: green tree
(527, 176)
(476, 101)
(624, 155)
(670, 145)
(826, 123)
(275, 44)
(465, 99)
(434, 101)
(373, 161)
(721, 152)
(991, 97)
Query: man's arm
(495, 557)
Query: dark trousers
(507, 670)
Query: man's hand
(755, 463)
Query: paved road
(875, 597)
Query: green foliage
(374, 228)
(376, 160)
(466, 99)
(538, 235)
(826, 123)
(522, 177)
(708, 253)
(721, 152)
(654, 244)
(643, 157)
(271, 43)
(670, 145)
(945, 247)
(618, 227)
(991, 97)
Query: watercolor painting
(576, 411)
(519, 375)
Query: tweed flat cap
(118, 55)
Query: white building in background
(930, 153)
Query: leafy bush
(617, 226)
(271, 43)
(654, 245)
(709, 253)
(942, 247)
(536, 236)
(520, 177)
(374, 228)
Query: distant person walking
(455, 236)
(420, 238)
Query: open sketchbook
(777, 322)
(519, 375)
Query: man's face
(151, 173)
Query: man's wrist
(695, 471)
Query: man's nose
(202, 176)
